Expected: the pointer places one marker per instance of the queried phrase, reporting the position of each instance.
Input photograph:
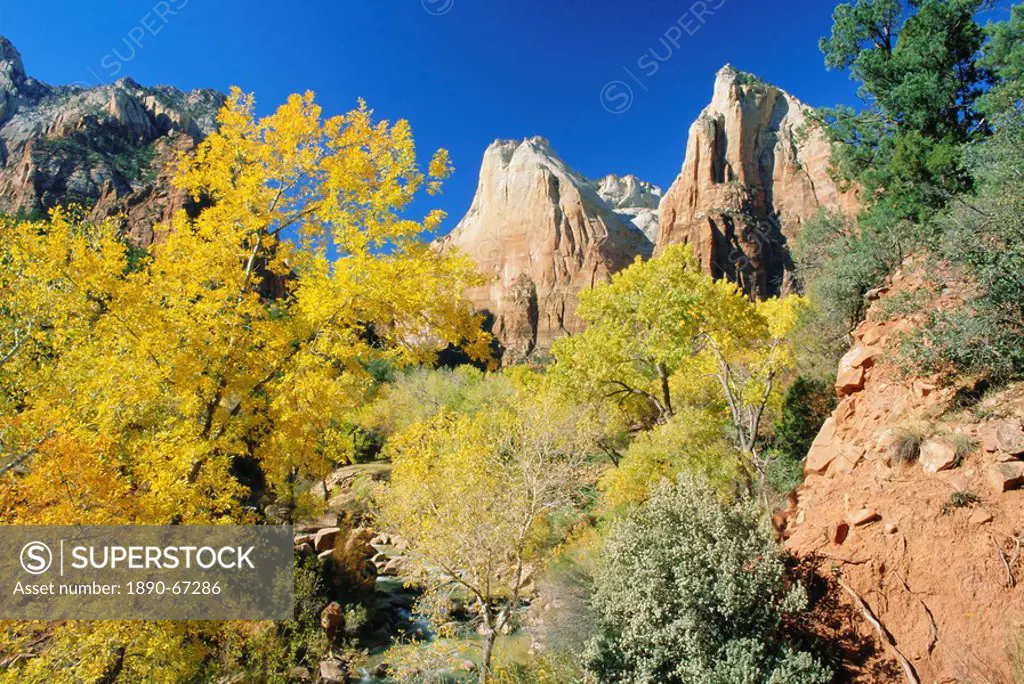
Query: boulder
(332, 617)
(1009, 437)
(873, 334)
(1006, 476)
(324, 539)
(875, 293)
(849, 381)
(825, 449)
(937, 455)
(864, 516)
(393, 568)
(860, 356)
(850, 377)
(333, 672)
(980, 517)
(850, 457)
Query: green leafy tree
(693, 591)
(919, 69)
(1004, 56)
(916, 61)
(664, 335)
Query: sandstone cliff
(62, 144)
(635, 200)
(912, 509)
(753, 173)
(540, 232)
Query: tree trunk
(666, 394)
(111, 674)
(485, 660)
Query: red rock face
(754, 173)
(540, 233)
(140, 212)
(913, 503)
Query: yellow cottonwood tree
(471, 494)
(130, 384)
(663, 335)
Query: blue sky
(463, 72)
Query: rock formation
(912, 508)
(107, 144)
(541, 234)
(755, 171)
(632, 199)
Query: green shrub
(806, 405)
(691, 590)
(902, 303)
(784, 474)
(983, 236)
(838, 261)
(808, 402)
(960, 499)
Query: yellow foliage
(692, 441)
(663, 336)
(472, 494)
(130, 383)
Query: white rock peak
(541, 233)
(634, 200)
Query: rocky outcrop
(755, 171)
(912, 509)
(153, 204)
(540, 234)
(108, 144)
(632, 199)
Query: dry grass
(906, 446)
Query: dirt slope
(911, 511)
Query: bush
(960, 499)
(691, 590)
(984, 237)
(838, 262)
(906, 445)
(784, 474)
(805, 407)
